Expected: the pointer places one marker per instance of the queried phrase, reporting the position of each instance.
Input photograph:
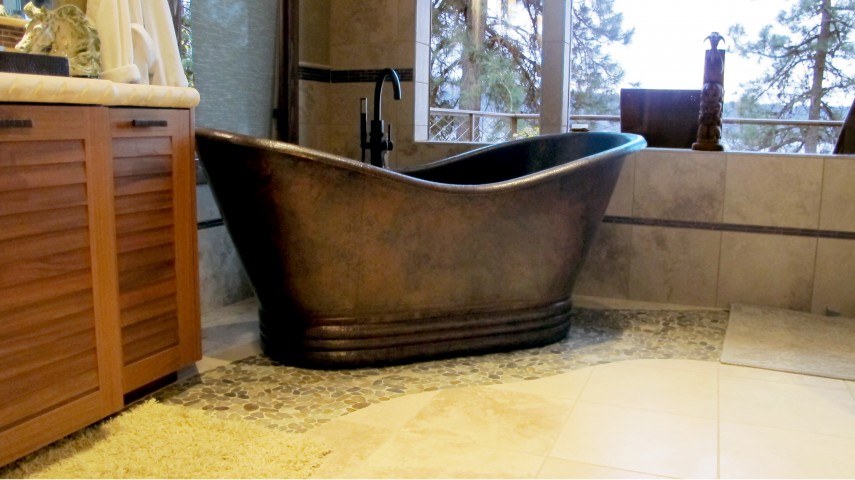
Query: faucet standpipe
(375, 141)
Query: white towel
(113, 23)
(138, 43)
(167, 68)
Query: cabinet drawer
(147, 122)
(37, 122)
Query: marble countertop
(25, 88)
(13, 22)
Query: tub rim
(633, 144)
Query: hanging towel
(112, 21)
(167, 68)
(138, 43)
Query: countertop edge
(26, 88)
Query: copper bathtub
(357, 266)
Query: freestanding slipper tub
(358, 266)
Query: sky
(667, 50)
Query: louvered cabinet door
(59, 338)
(155, 191)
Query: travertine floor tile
(558, 468)
(409, 455)
(749, 451)
(826, 411)
(665, 390)
(782, 377)
(639, 440)
(350, 444)
(521, 422)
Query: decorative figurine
(712, 98)
(64, 32)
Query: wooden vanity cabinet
(98, 283)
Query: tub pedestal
(387, 340)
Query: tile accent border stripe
(326, 75)
(205, 224)
(731, 227)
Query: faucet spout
(378, 88)
(376, 141)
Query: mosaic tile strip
(325, 75)
(296, 400)
(732, 227)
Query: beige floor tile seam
(718, 422)
(851, 386)
(548, 457)
(784, 429)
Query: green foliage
(811, 61)
(508, 57)
(185, 42)
(505, 61)
(595, 75)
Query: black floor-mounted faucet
(378, 142)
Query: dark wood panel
(18, 357)
(147, 338)
(130, 298)
(143, 202)
(145, 220)
(44, 331)
(125, 167)
(30, 269)
(146, 256)
(23, 296)
(30, 394)
(142, 146)
(143, 184)
(12, 226)
(27, 177)
(37, 200)
(41, 153)
(139, 277)
(149, 309)
(144, 239)
(45, 315)
(39, 246)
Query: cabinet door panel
(58, 333)
(156, 238)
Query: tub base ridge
(371, 342)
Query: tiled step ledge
(16, 87)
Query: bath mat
(790, 341)
(153, 440)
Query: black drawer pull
(150, 123)
(8, 123)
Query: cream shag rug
(790, 341)
(158, 441)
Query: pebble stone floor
(296, 400)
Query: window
(485, 69)
(789, 71)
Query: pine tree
(809, 52)
(481, 60)
(595, 76)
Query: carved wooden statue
(712, 98)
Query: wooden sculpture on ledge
(712, 98)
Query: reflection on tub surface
(358, 266)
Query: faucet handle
(389, 136)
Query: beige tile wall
(699, 262)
